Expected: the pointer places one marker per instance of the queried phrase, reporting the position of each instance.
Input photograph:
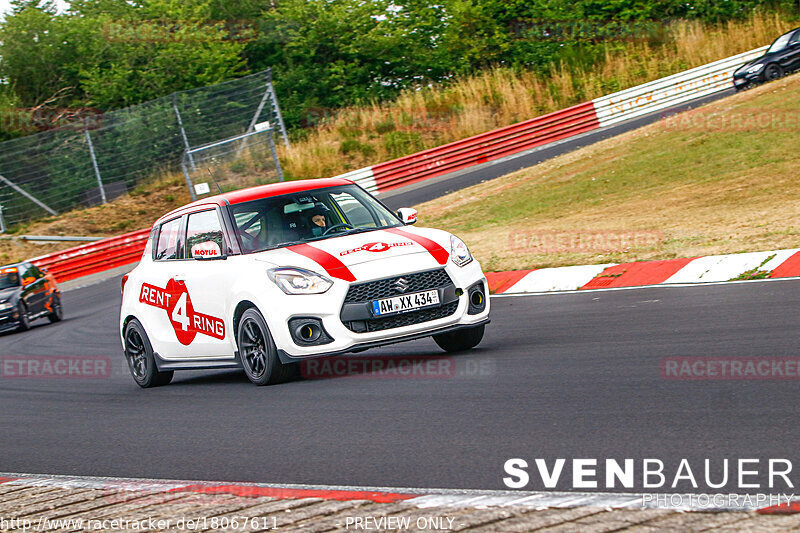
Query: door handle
(179, 277)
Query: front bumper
(286, 358)
(742, 81)
(8, 321)
(343, 322)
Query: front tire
(460, 340)
(257, 350)
(24, 321)
(773, 72)
(141, 361)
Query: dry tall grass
(416, 120)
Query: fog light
(477, 298)
(308, 331)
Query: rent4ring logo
(186, 322)
(376, 247)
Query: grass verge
(719, 179)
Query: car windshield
(9, 277)
(780, 43)
(309, 216)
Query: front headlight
(299, 281)
(459, 253)
(755, 68)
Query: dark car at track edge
(781, 58)
(27, 293)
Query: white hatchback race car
(265, 277)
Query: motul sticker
(376, 247)
(186, 322)
(206, 249)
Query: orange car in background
(27, 293)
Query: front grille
(406, 319)
(384, 288)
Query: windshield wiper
(281, 245)
(357, 230)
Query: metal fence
(89, 162)
(241, 161)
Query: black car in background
(782, 57)
(26, 294)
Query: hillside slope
(720, 179)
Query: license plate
(407, 302)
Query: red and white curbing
(421, 498)
(697, 270)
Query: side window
(203, 232)
(252, 230)
(169, 242)
(35, 272)
(26, 273)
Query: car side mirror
(207, 250)
(28, 281)
(407, 215)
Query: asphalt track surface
(573, 375)
(557, 376)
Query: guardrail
(95, 257)
(485, 147)
(672, 90)
(597, 114)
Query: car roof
(256, 193)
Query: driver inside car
(318, 219)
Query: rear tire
(24, 322)
(140, 357)
(460, 340)
(58, 312)
(257, 351)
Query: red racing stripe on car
(332, 266)
(440, 254)
(252, 491)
